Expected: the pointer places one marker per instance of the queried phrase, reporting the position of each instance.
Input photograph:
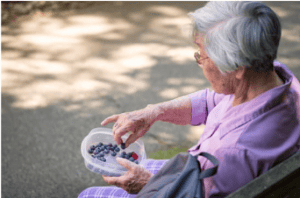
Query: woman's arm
(191, 109)
(177, 111)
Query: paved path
(62, 74)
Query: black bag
(180, 177)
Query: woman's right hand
(138, 122)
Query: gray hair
(239, 34)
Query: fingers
(119, 133)
(132, 138)
(117, 181)
(110, 119)
(126, 163)
(135, 136)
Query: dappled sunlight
(7, 38)
(136, 61)
(148, 49)
(31, 101)
(181, 87)
(195, 132)
(174, 81)
(188, 89)
(292, 34)
(176, 22)
(77, 56)
(280, 12)
(83, 29)
(138, 52)
(55, 45)
(167, 137)
(291, 62)
(169, 93)
(181, 55)
(37, 66)
(41, 40)
(112, 36)
(166, 10)
(11, 54)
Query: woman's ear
(240, 73)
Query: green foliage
(168, 153)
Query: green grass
(168, 153)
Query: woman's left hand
(133, 180)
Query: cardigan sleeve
(202, 103)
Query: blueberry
(90, 150)
(102, 148)
(92, 147)
(96, 152)
(100, 144)
(131, 159)
(130, 154)
(110, 144)
(101, 154)
(103, 159)
(127, 156)
(113, 154)
(115, 145)
(117, 149)
(123, 153)
(93, 156)
(137, 162)
(123, 146)
(106, 151)
(111, 148)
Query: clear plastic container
(111, 167)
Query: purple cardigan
(250, 138)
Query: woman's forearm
(177, 111)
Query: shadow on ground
(63, 73)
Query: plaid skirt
(111, 191)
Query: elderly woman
(252, 116)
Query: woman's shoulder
(292, 97)
(273, 136)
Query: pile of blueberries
(98, 151)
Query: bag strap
(211, 171)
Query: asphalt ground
(62, 73)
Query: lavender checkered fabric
(111, 192)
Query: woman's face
(220, 83)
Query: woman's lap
(111, 191)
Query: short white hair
(239, 34)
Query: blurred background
(66, 66)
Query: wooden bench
(282, 181)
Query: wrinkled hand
(139, 122)
(133, 180)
